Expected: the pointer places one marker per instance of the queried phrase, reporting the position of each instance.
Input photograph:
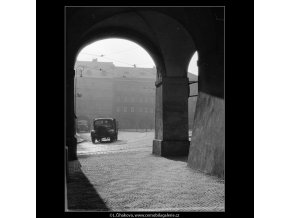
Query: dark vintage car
(104, 128)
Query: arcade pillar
(171, 117)
(71, 141)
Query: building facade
(125, 93)
(134, 103)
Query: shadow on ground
(81, 194)
(183, 159)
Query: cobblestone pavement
(136, 180)
(127, 141)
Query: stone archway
(171, 36)
(171, 82)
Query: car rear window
(107, 123)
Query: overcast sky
(123, 53)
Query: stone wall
(207, 147)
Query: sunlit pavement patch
(183, 209)
(129, 141)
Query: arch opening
(193, 89)
(128, 36)
(115, 78)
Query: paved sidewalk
(140, 181)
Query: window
(140, 110)
(118, 99)
(118, 109)
(132, 109)
(125, 109)
(107, 123)
(132, 99)
(125, 99)
(151, 110)
(145, 109)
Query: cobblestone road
(136, 180)
(127, 141)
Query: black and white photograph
(139, 109)
(145, 109)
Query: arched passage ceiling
(166, 39)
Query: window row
(135, 99)
(132, 109)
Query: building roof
(109, 70)
(98, 69)
(192, 77)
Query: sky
(123, 53)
